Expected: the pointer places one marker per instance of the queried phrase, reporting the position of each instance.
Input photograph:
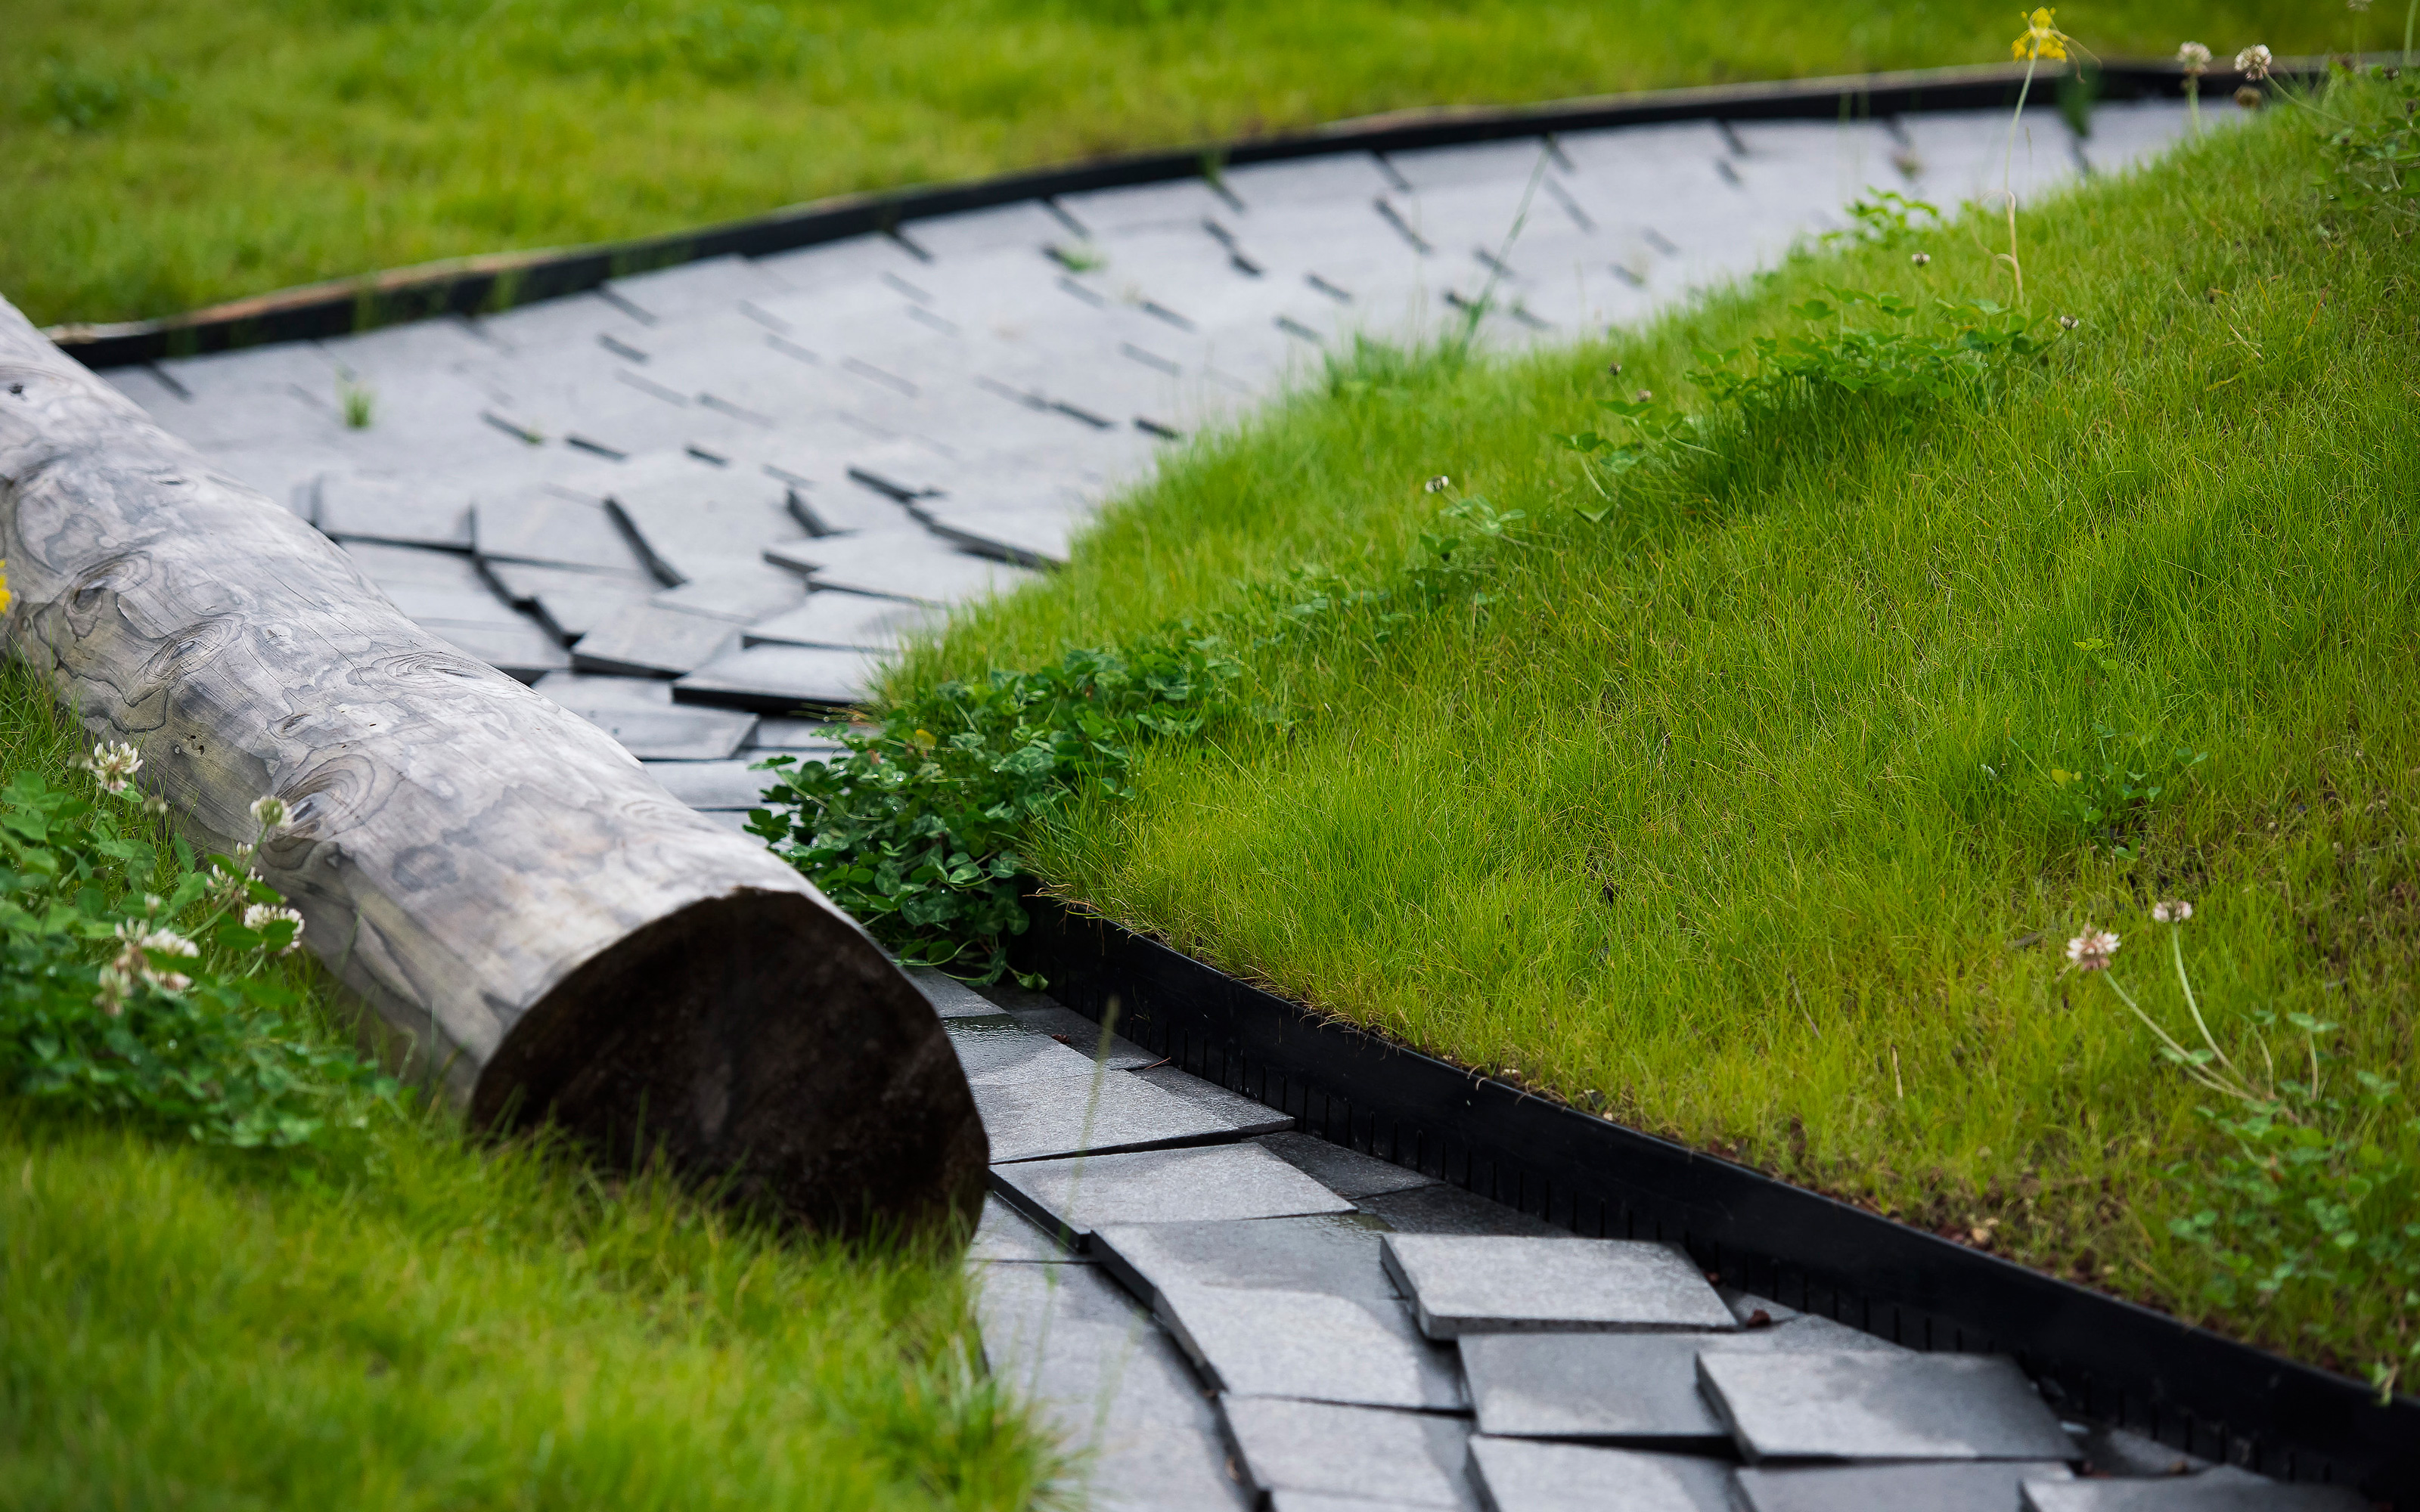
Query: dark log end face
(761, 1041)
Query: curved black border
(487, 285)
(2096, 1356)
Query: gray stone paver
(1991, 1486)
(1462, 1283)
(1790, 1406)
(809, 456)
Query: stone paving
(698, 506)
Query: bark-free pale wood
(542, 928)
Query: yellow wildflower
(4, 599)
(2042, 39)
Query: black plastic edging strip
(498, 281)
(2096, 1356)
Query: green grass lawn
(410, 1319)
(164, 154)
(1735, 816)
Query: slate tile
(724, 784)
(585, 693)
(1196, 1185)
(1309, 1346)
(2215, 1491)
(1827, 1406)
(568, 601)
(143, 384)
(782, 680)
(1023, 537)
(1081, 1033)
(1989, 1486)
(1107, 213)
(692, 288)
(774, 736)
(1347, 1172)
(1507, 162)
(1481, 1284)
(674, 733)
(1334, 1254)
(1405, 1459)
(995, 1050)
(1117, 1111)
(1524, 1476)
(1111, 1384)
(1003, 1236)
(386, 564)
(2110, 1451)
(429, 603)
(1622, 1388)
(951, 999)
(542, 526)
(809, 270)
(685, 525)
(1329, 178)
(522, 652)
(1438, 1208)
(906, 564)
(573, 319)
(1024, 225)
(288, 472)
(400, 353)
(846, 621)
(743, 590)
(650, 640)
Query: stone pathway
(698, 505)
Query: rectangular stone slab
(650, 641)
(1524, 1476)
(1402, 1460)
(951, 999)
(995, 1050)
(670, 734)
(1834, 1405)
(846, 621)
(1195, 1185)
(1336, 1254)
(1068, 1114)
(1986, 1486)
(1479, 1284)
(523, 652)
(1110, 1384)
(2213, 1490)
(914, 565)
(350, 507)
(1309, 1346)
(684, 522)
(1081, 1033)
(1007, 1237)
(545, 527)
(781, 679)
(1438, 1208)
(1348, 1172)
(1622, 1388)
(724, 784)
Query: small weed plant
(142, 982)
(915, 828)
(2312, 1188)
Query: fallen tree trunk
(540, 928)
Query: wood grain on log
(542, 929)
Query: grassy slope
(1696, 823)
(431, 1325)
(262, 143)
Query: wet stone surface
(1784, 1406)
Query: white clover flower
(142, 936)
(2253, 62)
(260, 916)
(1921, 259)
(116, 983)
(269, 812)
(114, 763)
(1438, 484)
(155, 805)
(2171, 912)
(2091, 949)
(2195, 59)
(170, 981)
(244, 854)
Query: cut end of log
(762, 1044)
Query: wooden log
(540, 928)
